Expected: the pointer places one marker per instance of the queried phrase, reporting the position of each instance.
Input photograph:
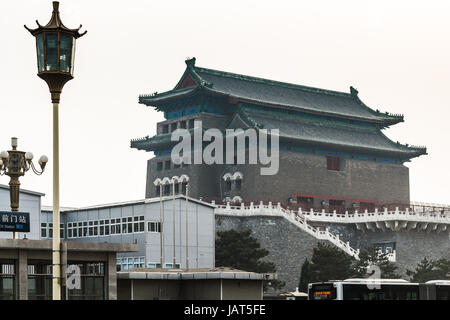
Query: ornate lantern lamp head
(55, 46)
(15, 163)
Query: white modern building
(140, 222)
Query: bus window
(442, 292)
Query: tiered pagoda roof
(304, 114)
(241, 88)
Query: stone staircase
(298, 220)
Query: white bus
(379, 289)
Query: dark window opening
(336, 202)
(238, 184)
(158, 191)
(177, 188)
(228, 185)
(333, 163)
(191, 124)
(165, 128)
(167, 165)
(159, 166)
(173, 127)
(184, 187)
(183, 124)
(167, 189)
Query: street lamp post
(15, 163)
(55, 46)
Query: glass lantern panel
(40, 52)
(65, 53)
(51, 43)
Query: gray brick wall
(288, 246)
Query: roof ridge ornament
(190, 62)
(353, 91)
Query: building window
(7, 280)
(183, 188)
(167, 165)
(50, 230)
(333, 163)
(107, 227)
(165, 128)
(130, 224)
(191, 124)
(154, 226)
(159, 166)
(158, 191)
(238, 184)
(80, 229)
(43, 230)
(124, 225)
(153, 265)
(92, 281)
(91, 228)
(177, 188)
(228, 185)
(170, 266)
(115, 226)
(166, 190)
(95, 228)
(69, 230)
(39, 281)
(102, 228)
(173, 127)
(139, 224)
(183, 125)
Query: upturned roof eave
(159, 100)
(406, 154)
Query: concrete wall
(201, 230)
(411, 246)
(212, 289)
(288, 246)
(241, 290)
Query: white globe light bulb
(29, 156)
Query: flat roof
(125, 203)
(35, 193)
(193, 274)
(83, 246)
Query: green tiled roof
(273, 93)
(329, 133)
(151, 143)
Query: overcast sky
(396, 53)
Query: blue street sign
(14, 221)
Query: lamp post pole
(55, 44)
(187, 228)
(56, 241)
(174, 229)
(161, 219)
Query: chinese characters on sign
(14, 221)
